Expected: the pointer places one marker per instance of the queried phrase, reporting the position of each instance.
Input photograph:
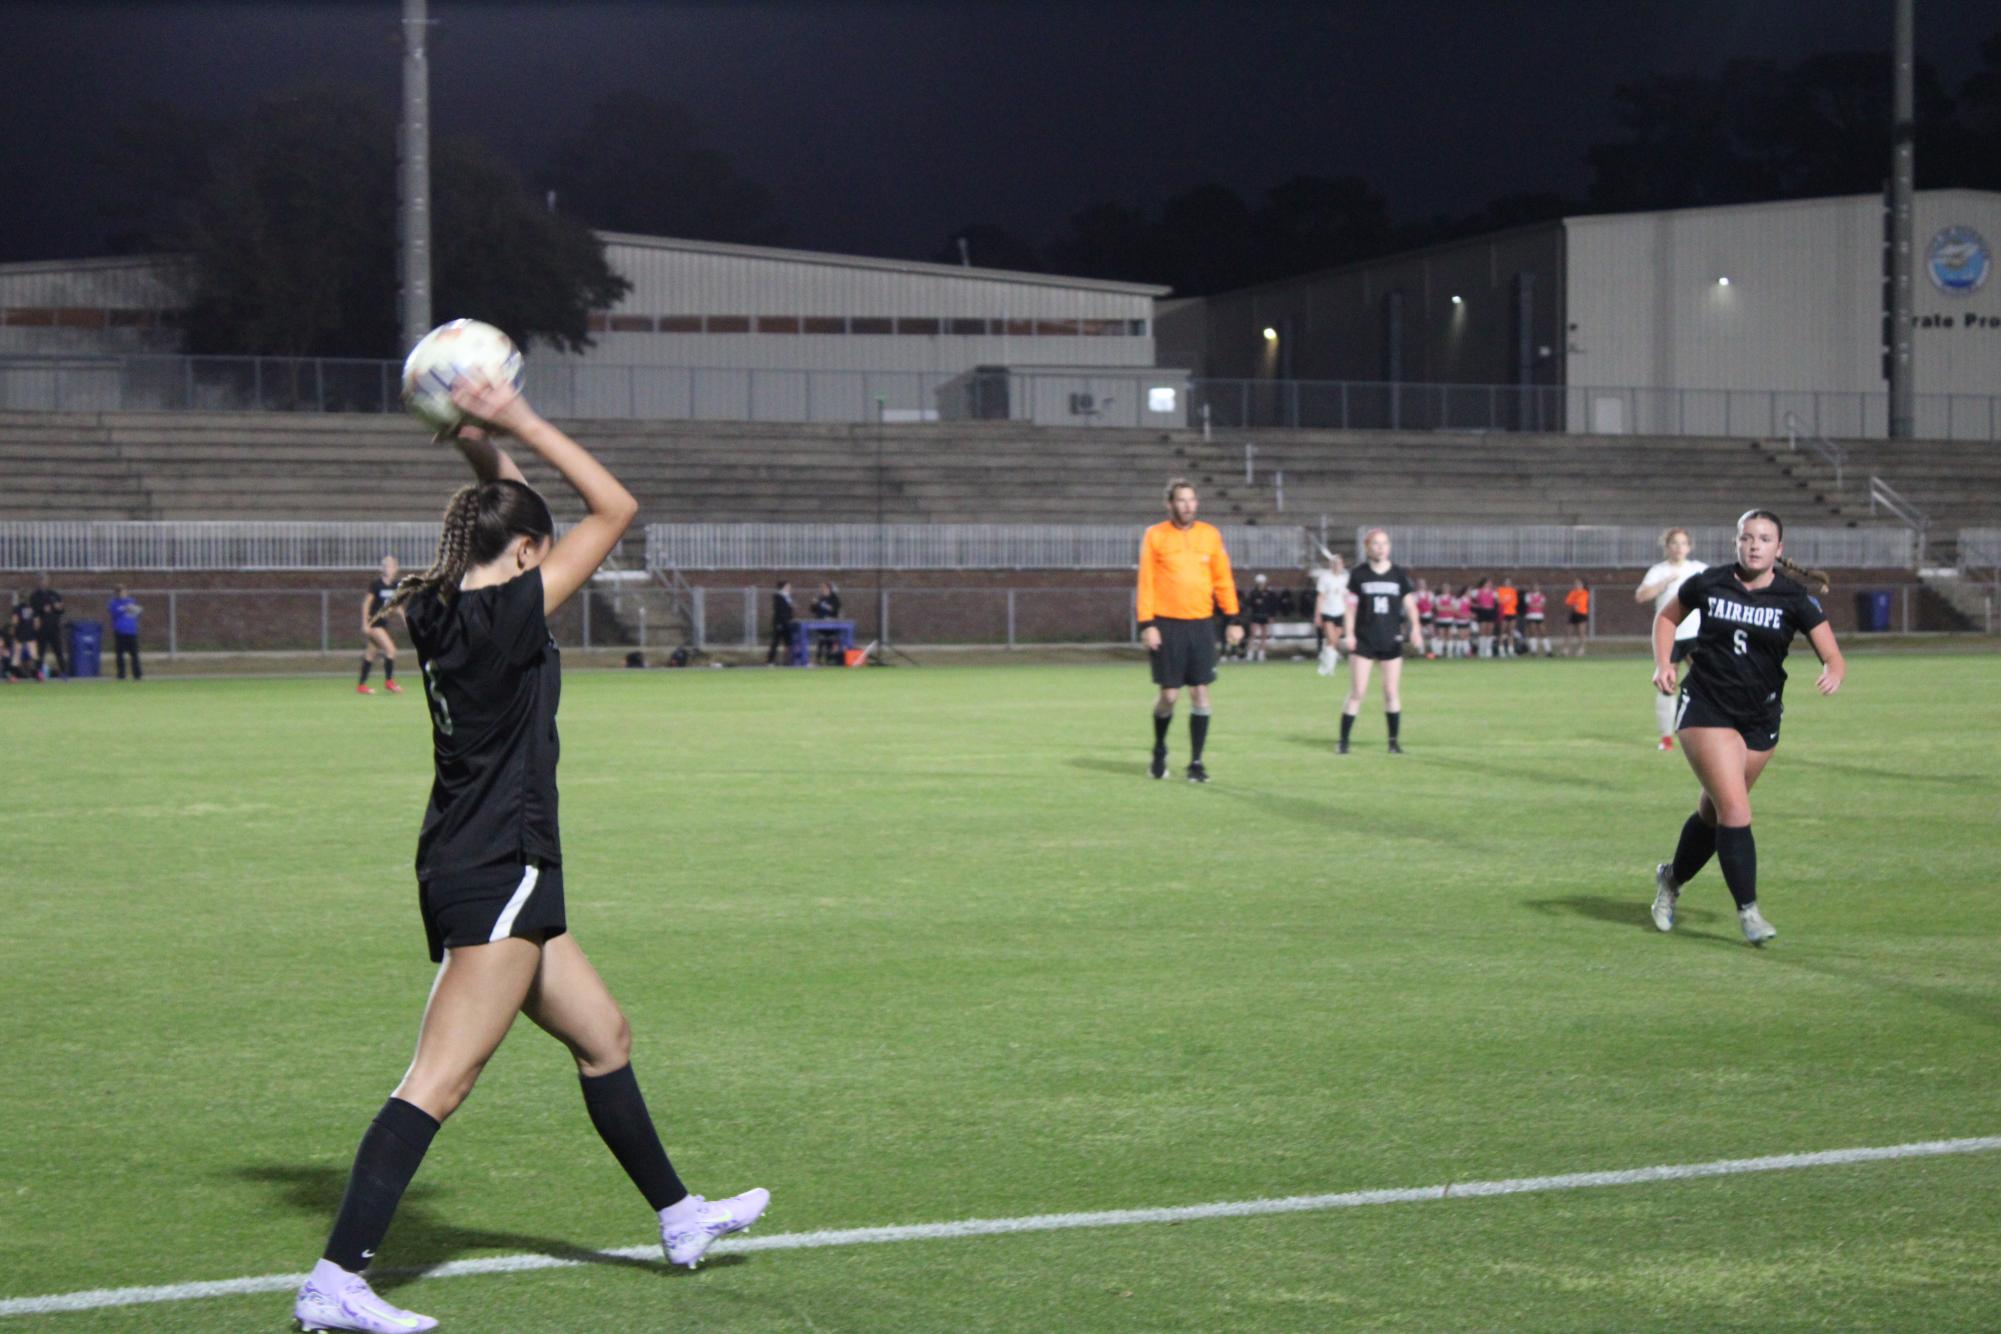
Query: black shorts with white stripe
(480, 907)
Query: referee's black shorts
(480, 907)
(1187, 653)
(1760, 731)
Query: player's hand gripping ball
(447, 354)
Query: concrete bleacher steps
(301, 466)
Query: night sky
(883, 128)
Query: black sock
(1737, 852)
(366, 666)
(390, 1152)
(1692, 853)
(1198, 733)
(389, 669)
(1347, 726)
(1396, 721)
(620, 1115)
(1160, 722)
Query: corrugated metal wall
(1802, 310)
(88, 305)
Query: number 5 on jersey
(1737, 641)
(441, 712)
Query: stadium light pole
(415, 177)
(1903, 172)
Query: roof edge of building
(831, 259)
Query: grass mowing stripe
(100, 1298)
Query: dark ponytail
(480, 520)
(1816, 580)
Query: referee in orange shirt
(1184, 580)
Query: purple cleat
(689, 1228)
(334, 1299)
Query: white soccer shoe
(687, 1239)
(1665, 895)
(334, 1299)
(1756, 929)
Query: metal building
(1728, 320)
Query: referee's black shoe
(1158, 769)
(1196, 773)
(1340, 748)
(1395, 749)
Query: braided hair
(1814, 579)
(479, 522)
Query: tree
(289, 219)
(639, 165)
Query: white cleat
(1756, 929)
(334, 1299)
(688, 1238)
(1665, 895)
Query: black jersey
(1740, 651)
(25, 620)
(380, 593)
(1261, 603)
(493, 678)
(48, 605)
(1378, 603)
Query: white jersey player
(1659, 586)
(1330, 609)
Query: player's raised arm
(612, 508)
(489, 461)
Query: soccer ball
(443, 355)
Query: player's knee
(438, 1094)
(609, 1051)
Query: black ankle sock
(1160, 722)
(389, 669)
(620, 1115)
(1692, 853)
(1347, 726)
(1198, 733)
(1737, 852)
(366, 667)
(1396, 721)
(391, 1150)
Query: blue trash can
(86, 647)
(1872, 611)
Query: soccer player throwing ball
(489, 860)
(1381, 600)
(1184, 580)
(1730, 706)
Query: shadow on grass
(420, 1240)
(1132, 768)
(1629, 913)
(1955, 779)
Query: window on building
(826, 324)
(680, 324)
(871, 324)
(632, 324)
(729, 324)
(916, 325)
(779, 324)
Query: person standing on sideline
(1729, 709)
(124, 614)
(781, 624)
(48, 605)
(1486, 617)
(827, 607)
(1507, 599)
(1259, 608)
(490, 858)
(22, 658)
(1660, 583)
(1578, 600)
(1184, 581)
(1381, 601)
(375, 636)
(1330, 610)
(1535, 620)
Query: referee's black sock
(620, 1115)
(390, 1152)
(365, 666)
(1347, 726)
(1738, 853)
(1198, 733)
(1160, 721)
(1692, 853)
(1395, 721)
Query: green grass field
(924, 945)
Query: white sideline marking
(99, 1298)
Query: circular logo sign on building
(1958, 261)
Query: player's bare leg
(1727, 768)
(1359, 669)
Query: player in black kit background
(1382, 600)
(375, 636)
(490, 858)
(1729, 709)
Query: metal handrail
(1796, 430)
(1900, 507)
